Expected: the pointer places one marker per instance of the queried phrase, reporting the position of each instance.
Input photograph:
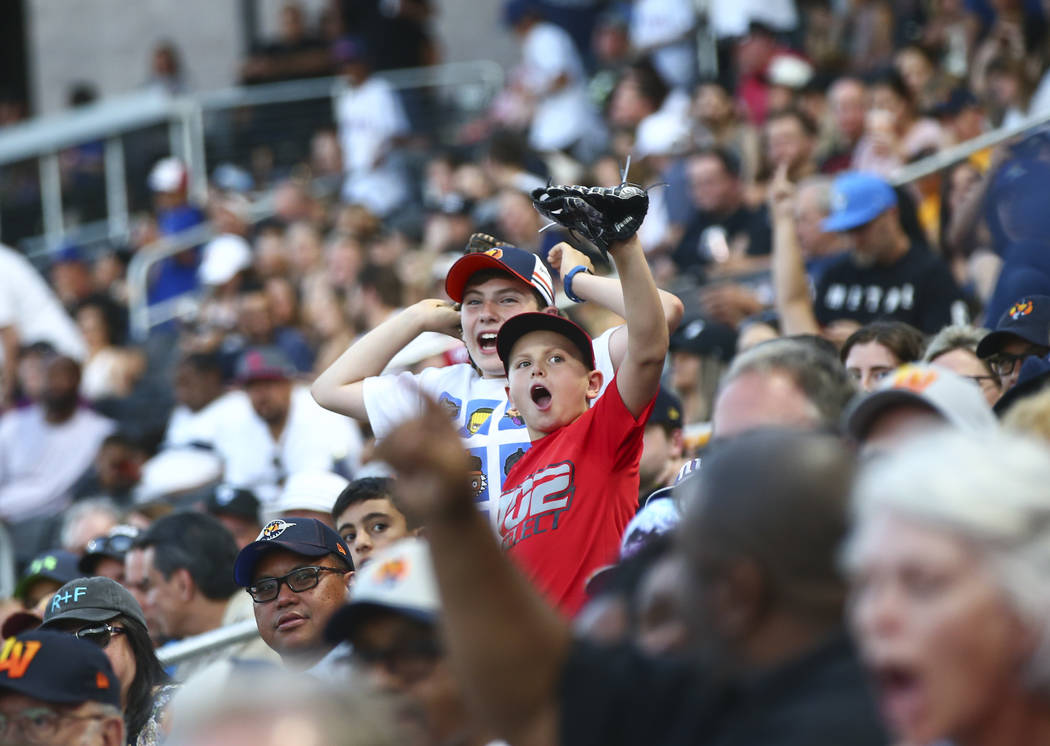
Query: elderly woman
(955, 348)
(950, 567)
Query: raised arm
(638, 376)
(607, 293)
(507, 645)
(9, 373)
(790, 287)
(340, 387)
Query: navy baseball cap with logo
(667, 410)
(306, 536)
(226, 499)
(1027, 319)
(264, 364)
(57, 668)
(857, 198)
(700, 336)
(57, 565)
(522, 264)
(92, 600)
(518, 326)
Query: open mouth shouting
(901, 694)
(541, 396)
(487, 342)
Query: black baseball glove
(601, 215)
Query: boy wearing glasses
(297, 572)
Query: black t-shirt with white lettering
(918, 289)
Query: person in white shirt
(45, 448)
(283, 432)
(202, 403)
(664, 29)
(371, 120)
(554, 81)
(491, 287)
(30, 312)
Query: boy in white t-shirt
(491, 287)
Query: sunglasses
(117, 544)
(298, 580)
(100, 635)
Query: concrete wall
(471, 30)
(109, 42)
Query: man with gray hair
(792, 382)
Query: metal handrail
(7, 563)
(141, 315)
(206, 642)
(108, 120)
(950, 156)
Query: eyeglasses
(100, 635)
(37, 724)
(298, 580)
(408, 661)
(1004, 363)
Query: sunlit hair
(990, 491)
(814, 369)
(957, 337)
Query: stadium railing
(201, 644)
(202, 129)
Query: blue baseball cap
(857, 198)
(306, 536)
(1027, 319)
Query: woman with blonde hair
(949, 562)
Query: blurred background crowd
(162, 362)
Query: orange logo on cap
(495, 253)
(101, 680)
(339, 548)
(1017, 310)
(16, 656)
(914, 379)
(391, 571)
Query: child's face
(370, 525)
(549, 385)
(485, 307)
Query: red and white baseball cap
(522, 264)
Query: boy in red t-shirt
(566, 502)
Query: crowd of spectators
(827, 526)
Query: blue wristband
(566, 284)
